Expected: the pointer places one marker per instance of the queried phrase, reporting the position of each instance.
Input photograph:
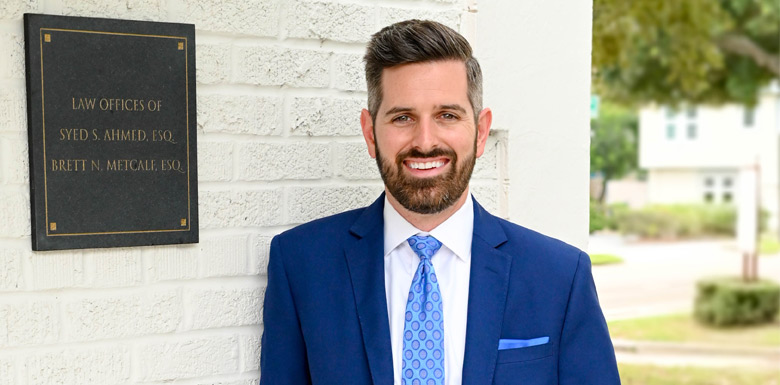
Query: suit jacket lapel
(489, 282)
(365, 260)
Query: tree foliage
(692, 51)
(613, 144)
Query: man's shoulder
(335, 225)
(536, 244)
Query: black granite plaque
(111, 120)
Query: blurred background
(685, 188)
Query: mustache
(415, 153)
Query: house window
(670, 112)
(670, 131)
(718, 188)
(749, 117)
(691, 112)
(691, 130)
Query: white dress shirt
(452, 264)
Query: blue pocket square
(514, 344)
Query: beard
(426, 195)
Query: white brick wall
(280, 89)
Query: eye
(402, 119)
(449, 116)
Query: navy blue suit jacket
(325, 313)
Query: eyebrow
(396, 110)
(455, 107)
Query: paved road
(660, 277)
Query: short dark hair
(415, 41)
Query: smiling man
(424, 286)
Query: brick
(486, 166)
(225, 256)
(276, 66)
(173, 263)
(251, 381)
(261, 245)
(13, 66)
(225, 209)
(14, 214)
(354, 162)
(115, 267)
(186, 358)
(122, 315)
(17, 170)
(14, 9)
(215, 308)
(7, 370)
(487, 195)
(300, 160)
(11, 276)
(326, 116)
(450, 18)
(151, 10)
(215, 161)
(57, 269)
(349, 72)
(330, 21)
(28, 323)
(213, 63)
(242, 114)
(250, 352)
(83, 366)
(13, 105)
(309, 203)
(236, 16)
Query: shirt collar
(455, 233)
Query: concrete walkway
(697, 354)
(660, 277)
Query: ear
(367, 124)
(483, 129)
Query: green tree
(613, 143)
(693, 51)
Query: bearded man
(424, 286)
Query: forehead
(432, 82)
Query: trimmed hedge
(732, 301)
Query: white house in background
(694, 154)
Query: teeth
(426, 165)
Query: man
(424, 286)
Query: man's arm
(283, 358)
(586, 352)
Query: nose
(425, 135)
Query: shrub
(731, 301)
(613, 212)
(678, 221)
(597, 217)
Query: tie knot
(424, 246)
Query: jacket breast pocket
(524, 354)
(534, 365)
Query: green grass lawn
(658, 375)
(768, 245)
(683, 328)
(604, 259)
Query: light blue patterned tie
(423, 356)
